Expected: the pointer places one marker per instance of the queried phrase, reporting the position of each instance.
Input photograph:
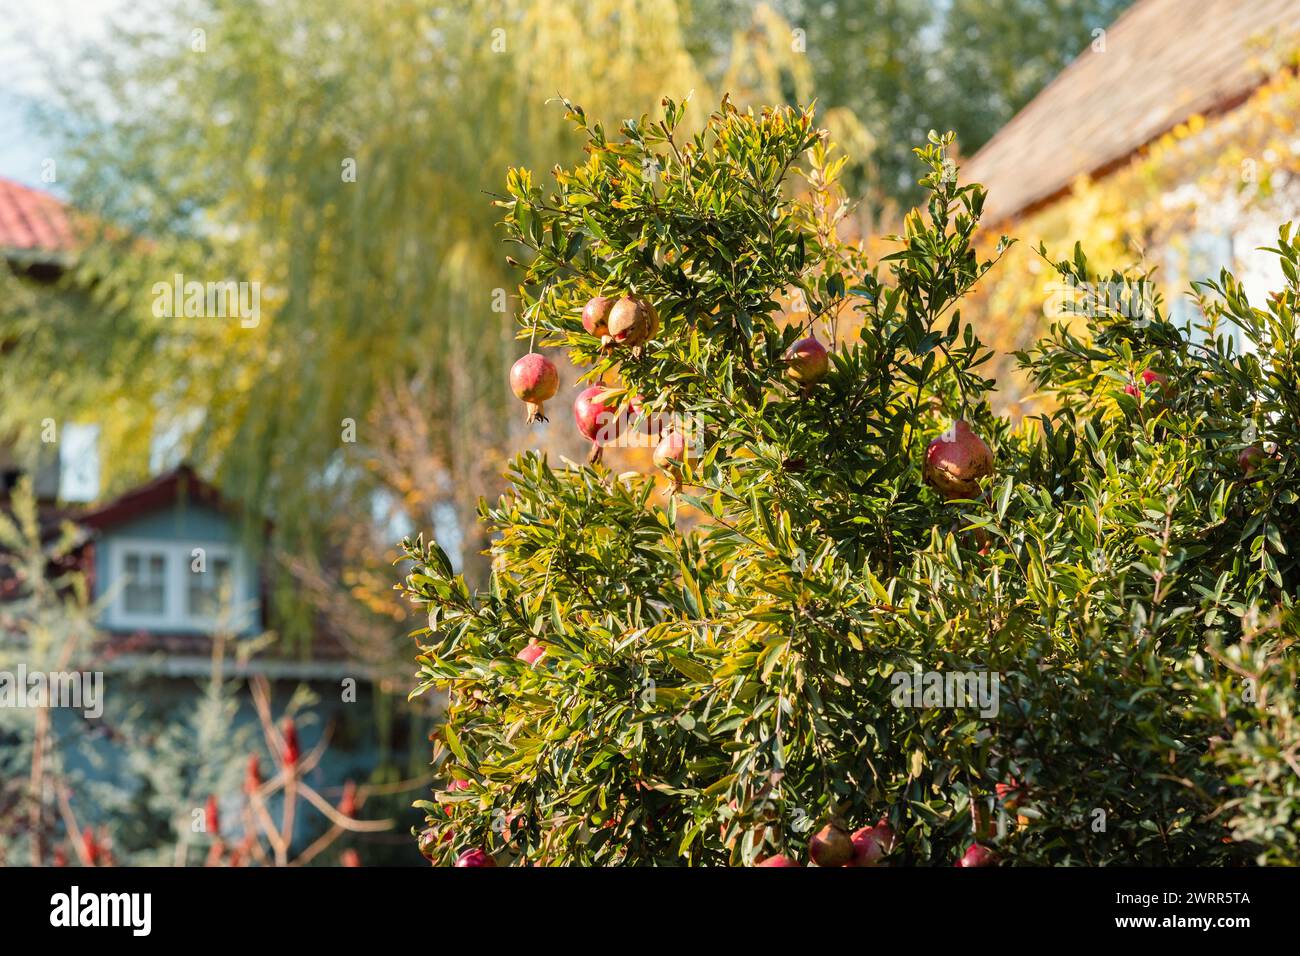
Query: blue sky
(30, 30)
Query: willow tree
(340, 159)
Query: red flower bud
(89, 846)
(253, 775)
(291, 751)
(212, 817)
(350, 858)
(348, 805)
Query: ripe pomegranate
(475, 857)
(807, 362)
(977, 854)
(596, 420)
(531, 653)
(211, 816)
(348, 803)
(670, 456)
(534, 379)
(632, 321)
(779, 860)
(1150, 378)
(870, 844)
(291, 750)
(956, 461)
(831, 846)
(595, 316)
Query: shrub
(727, 669)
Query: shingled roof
(1164, 61)
(33, 224)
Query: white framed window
(183, 586)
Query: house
(1171, 144)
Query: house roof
(1164, 61)
(179, 484)
(32, 222)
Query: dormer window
(176, 586)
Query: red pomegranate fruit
(807, 362)
(632, 321)
(670, 457)
(531, 653)
(1154, 384)
(779, 860)
(475, 857)
(871, 844)
(977, 854)
(831, 846)
(596, 420)
(1250, 459)
(956, 461)
(595, 316)
(534, 379)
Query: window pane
(209, 589)
(145, 590)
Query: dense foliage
(721, 666)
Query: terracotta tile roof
(1165, 60)
(32, 221)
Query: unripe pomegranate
(534, 379)
(1162, 389)
(531, 653)
(632, 321)
(779, 860)
(806, 362)
(428, 841)
(977, 854)
(291, 751)
(595, 315)
(211, 816)
(670, 456)
(870, 844)
(252, 775)
(831, 846)
(956, 461)
(596, 420)
(475, 857)
(348, 803)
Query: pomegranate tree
(812, 636)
